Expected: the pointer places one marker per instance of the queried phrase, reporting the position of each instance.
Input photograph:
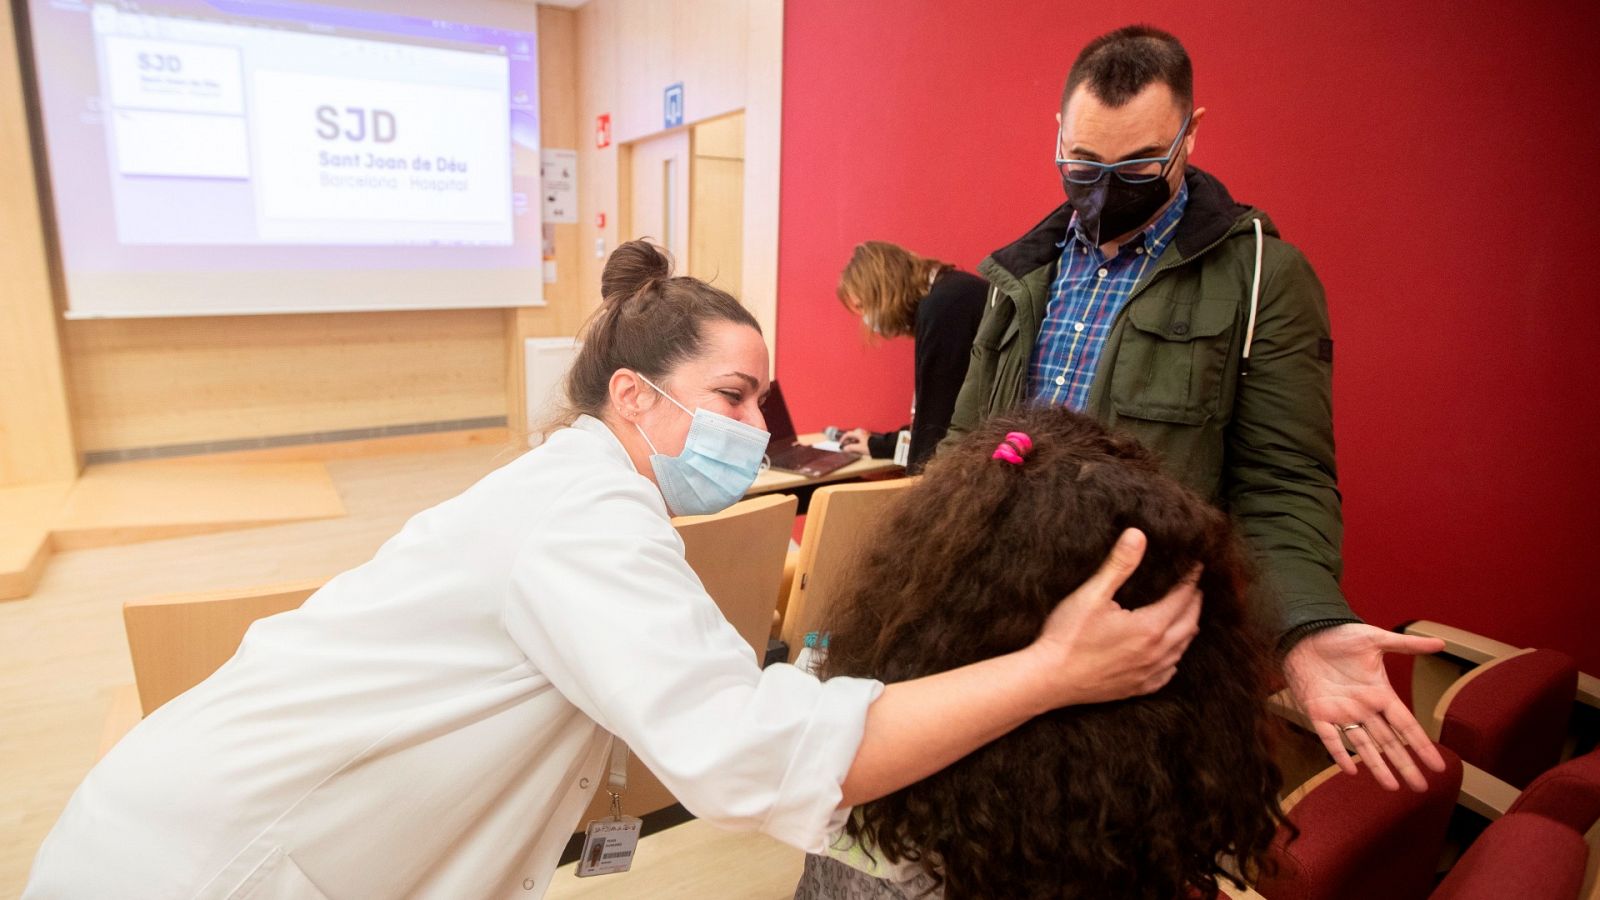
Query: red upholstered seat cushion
(1522, 855)
(1359, 840)
(1511, 721)
(1569, 794)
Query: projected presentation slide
(380, 160)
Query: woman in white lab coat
(433, 722)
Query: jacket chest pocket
(1171, 361)
(994, 348)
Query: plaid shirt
(1085, 298)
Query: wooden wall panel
(716, 212)
(709, 46)
(156, 382)
(36, 440)
(715, 238)
(565, 309)
(645, 36)
(722, 137)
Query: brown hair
(648, 321)
(1144, 797)
(1118, 65)
(889, 281)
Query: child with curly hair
(1155, 796)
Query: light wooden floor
(62, 650)
(123, 503)
(26, 516)
(693, 861)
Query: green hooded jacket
(1255, 436)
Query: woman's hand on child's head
(1094, 651)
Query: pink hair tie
(1014, 448)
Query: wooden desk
(773, 480)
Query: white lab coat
(434, 722)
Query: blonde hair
(888, 281)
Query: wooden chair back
(177, 641)
(841, 520)
(739, 555)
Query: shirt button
(1101, 273)
(1061, 379)
(1077, 326)
(1138, 249)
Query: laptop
(786, 452)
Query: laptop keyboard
(799, 456)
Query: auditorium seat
(1504, 708)
(1359, 840)
(1522, 855)
(1542, 844)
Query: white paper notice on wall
(558, 170)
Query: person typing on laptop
(786, 452)
(899, 293)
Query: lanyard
(617, 782)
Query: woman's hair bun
(632, 266)
(648, 321)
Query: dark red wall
(1437, 163)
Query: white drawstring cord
(1255, 297)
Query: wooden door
(716, 203)
(659, 194)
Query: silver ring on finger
(1349, 728)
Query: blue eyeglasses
(1132, 171)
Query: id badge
(902, 448)
(608, 846)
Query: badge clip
(609, 843)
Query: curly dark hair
(1147, 797)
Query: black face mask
(1111, 207)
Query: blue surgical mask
(719, 462)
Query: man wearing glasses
(1154, 302)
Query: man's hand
(1337, 677)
